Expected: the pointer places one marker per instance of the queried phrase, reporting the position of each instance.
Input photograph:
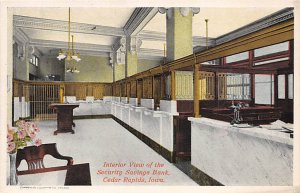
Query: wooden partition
(133, 88)
(82, 90)
(160, 82)
(79, 89)
(139, 90)
(147, 87)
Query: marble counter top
(241, 156)
(254, 131)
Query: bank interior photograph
(159, 96)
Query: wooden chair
(34, 156)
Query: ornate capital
(111, 59)
(30, 50)
(21, 51)
(166, 10)
(184, 11)
(123, 44)
(135, 44)
(120, 57)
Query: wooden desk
(64, 117)
(78, 175)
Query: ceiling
(114, 17)
(221, 21)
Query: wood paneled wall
(80, 90)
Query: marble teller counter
(154, 127)
(157, 125)
(89, 106)
(232, 155)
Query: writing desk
(64, 117)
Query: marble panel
(112, 108)
(133, 101)
(83, 109)
(241, 156)
(118, 112)
(17, 108)
(148, 103)
(116, 99)
(27, 109)
(151, 126)
(107, 98)
(168, 106)
(136, 119)
(23, 107)
(125, 114)
(70, 99)
(107, 107)
(89, 99)
(167, 132)
(99, 108)
(124, 100)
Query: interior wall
(119, 71)
(32, 69)
(145, 64)
(92, 69)
(132, 62)
(51, 65)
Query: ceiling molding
(160, 36)
(93, 49)
(64, 45)
(138, 19)
(152, 35)
(117, 44)
(54, 52)
(273, 19)
(20, 36)
(56, 25)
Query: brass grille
(40, 96)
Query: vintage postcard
(149, 96)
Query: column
(179, 31)
(196, 90)
(173, 85)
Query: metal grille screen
(40, 97)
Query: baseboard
(106, 116)
(202, 178)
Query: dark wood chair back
(34, 156)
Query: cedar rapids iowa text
(132, 172)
